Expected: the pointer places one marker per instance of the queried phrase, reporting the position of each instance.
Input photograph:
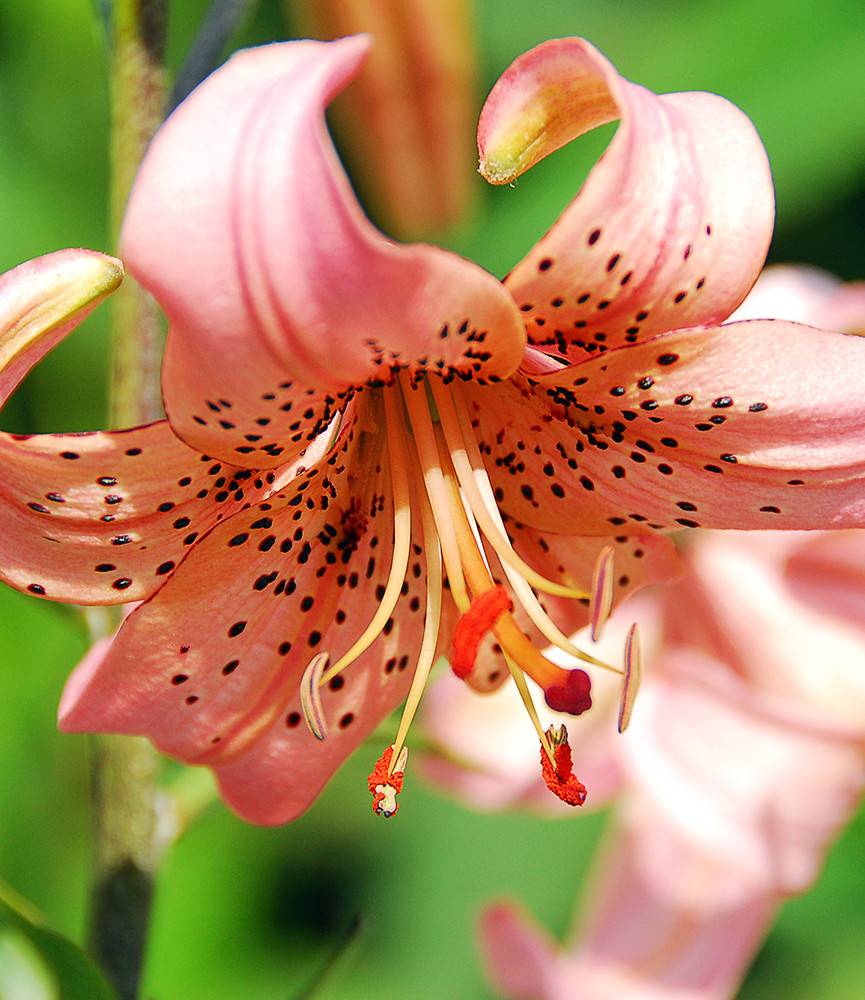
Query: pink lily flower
(762, 647)
(368, 420)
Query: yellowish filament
(432, 621)
(398, 465)
(466, 475)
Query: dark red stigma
(573, 695)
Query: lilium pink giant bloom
(335, 393)
(745, 759)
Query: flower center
(439, 478)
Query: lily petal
(750, 425)
(520, 955)
(269, 272)
(672, 225)
(216, 682)
(43, 300)
(103, 517)
(95, 518)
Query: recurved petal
(105, 517)
(670, 228)
(215, 681)
(258, 251)
(520, 956)
(750, 425)
(43, 300)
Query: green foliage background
(251, 912)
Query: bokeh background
(258, 913)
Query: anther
(310, 696)
(386, 783)
(631, 677)
(559, 775)
(602, 591)
(483, 613)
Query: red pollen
(484, 611)
(573, 696)
(379, 777)
(561, 779)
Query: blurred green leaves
(36, 963)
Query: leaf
(343, 947)
(51, 966)
(219, 24)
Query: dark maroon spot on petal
(758, 407)
(729, 458)
(795, 482)
(132, 452)
(646, 382)
(164, 568)
(36, 588)
(191, 699)
(55, 498)
(668, 359)
(38, 507)
(181, 522)
(106, 481)
(611, 263)
(557, 302)
(684, 400)
(771, 510)
(617, 390)
(121, 540)
(236, 629)
(230, 667)
(346, 720)
(292, 720)
(113, 498)
(713, 468)
(165, 507)
(122, 583)
(665, 470)
(284, 648)
(179, 679)
(687, 523)
(677, 298)
(69, 455)
(618, 472)
(545, 264)
(686, 505)
(238, 539)
(337, 683)
(583, 298)
(105, 567)
(722, 402)
(594, 236)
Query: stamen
(310, 697)
(397, 462)
(631, 679)
(529, 704)
(558, 771)
(522, 591)
(386, 783)
(432, 622)
(427, 451)
(602, 591)
(482, 615)
(466, 476)
(569, 689)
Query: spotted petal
(103, 518)
(216, 682)
(672, 225)
(94, 518)
(273, 280)
(751, 425)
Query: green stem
(124, 769)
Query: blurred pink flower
(745, 758)
(329, 393)
(409, 117)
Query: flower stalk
(124, 768)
